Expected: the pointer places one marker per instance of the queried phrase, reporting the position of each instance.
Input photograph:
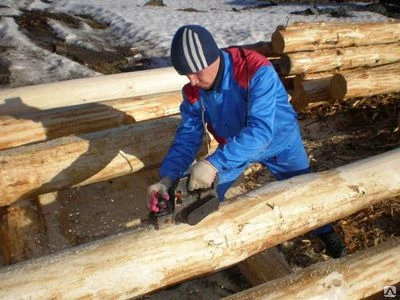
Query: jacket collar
(222, 81)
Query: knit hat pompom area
(193, 49)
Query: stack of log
(73, 133)
(66, 134)
(338, 61)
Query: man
(237, 95)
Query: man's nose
(193, 79)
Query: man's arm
(187, 141)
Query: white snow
(145, 27)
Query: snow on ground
(147, 28)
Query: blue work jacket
(249, 90)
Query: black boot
(334, 244)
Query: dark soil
(4, 71)
(35, 25)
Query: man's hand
(156, 191)
(202, 175)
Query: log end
(285, 64)
(338, 87)
(278, 42)
(299, 100)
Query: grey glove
(202, 175)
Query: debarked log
(339, 59)
(317, 36)
(89, 90)
(135, 263)
(367, 82)
(24, 128)
(265, 266)
(313, 90)
(361, 82)
(356, 276)
(75, 161)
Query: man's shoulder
(245, 63)
(241, 54)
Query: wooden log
(89, 90)
(316, 36)
(135, 263)
(264, 48)
(313, 90)
(298, 79)
(355, 276)
(268, 265)
(361, 82)
(339, 59)
(298, 25)
(20, 129)
(76, 161)
(367, 82)
(21, 232)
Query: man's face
(205, 78)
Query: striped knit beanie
(193, 49)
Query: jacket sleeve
(187, 142)
(258, 133)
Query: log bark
(316, 36)
(20, 129)
(339, 59)
(356, 276)
(76, 161)
(299, 25)
(89, 90)
(135, 263)
(367, 82)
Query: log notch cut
(316, 36)
(366, 82)
(356, 276)
(75, 161)
(312, 90)
(135, 263)
(339, 59)
(89, 90)
(22, 232)
(24, 128)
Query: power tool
(186, 206)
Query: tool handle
(162, 204)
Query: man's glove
(158, 190)
(202, 175)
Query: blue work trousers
(292, 161)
